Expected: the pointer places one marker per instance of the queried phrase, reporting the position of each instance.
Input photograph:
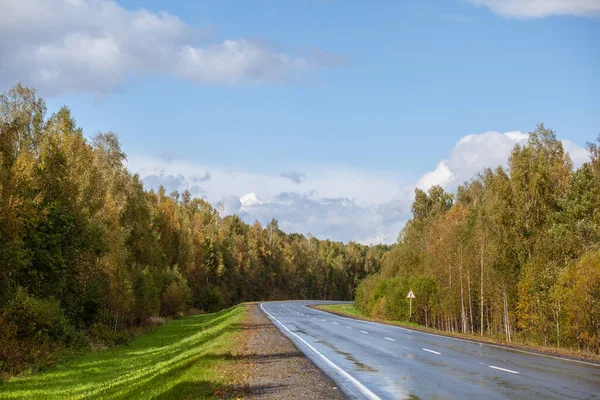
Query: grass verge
(348, 310)
(191, 358)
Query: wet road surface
(376, 361)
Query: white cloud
(328, 202)
(578, 154)
(473, 153)
(95, 45)
(470, 155)
(541, 8)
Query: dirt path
(278, 370)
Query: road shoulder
(277, 369)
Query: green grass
(342, 308)
(351, 311)
(182, 359)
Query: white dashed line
(365, 332)
(503, 369)
(349, 327)
(431, 351)
(390, 339)
(336, 323)
(324, 320)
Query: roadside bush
(31, 330)
(147, 302)
(580, 287)
(426, 305)
(40, 320)
(363, 298)
(176, 296)
(106, 336)
(211, 299)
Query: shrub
(107, 336)
(147, 302)
(580, 290)
(40, 320)
(31, 330)
(211, 299)
(176, 294)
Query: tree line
(514, 254)
(87, 253)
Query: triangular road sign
(410, 295)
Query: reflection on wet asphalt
(415, 365)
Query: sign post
(410, 296)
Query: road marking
(346, 375)
(503, 369)
(365, 332)
(431, 351)
(349, 327)
(336, 323)
(324, 320)
(390, 339)
(505, 348)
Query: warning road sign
(410, 295)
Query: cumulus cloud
(473, 153)
(541, 8)
(95, 45)
(337, 203)
(470, 155)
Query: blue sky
(360, 100)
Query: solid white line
(390, 339)
(365, 332)
(359, 385)
(503, 369)
(431, 351)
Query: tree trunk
(558, 323)
(470, 299)
(481, 292)
(463, 316)
(506, 317)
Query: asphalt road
(368, 360)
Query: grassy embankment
(348, 310)
(193, 358)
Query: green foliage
(39, 320)
(212, 299)
(515, 257)
(98, 253)
(30, 330)
(176, 294)
(105, 335)
(579, 292)
(147, 301)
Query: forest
(87, 254)
(513, 255)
